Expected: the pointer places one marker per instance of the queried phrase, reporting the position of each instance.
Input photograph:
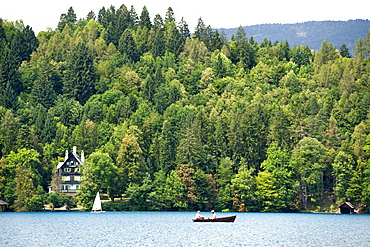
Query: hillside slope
(309, 33)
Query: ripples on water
(177, 229)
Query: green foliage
(243, 186)
(58, 200)
(67, 19)
(171, 120)
(80, 76)
(308, 161)
(138, 194)
(101, 171)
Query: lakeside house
(67, 178)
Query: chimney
(82, 156)
(66, 156)
(74, 150)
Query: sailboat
(97, 205)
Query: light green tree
(342, 170)
(131, 165)
(308, 161)
(101, 170)
(243, 187)
(24, 189)
(266, 192)
(326, 54)
(275, 185)
(175, 191)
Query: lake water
(177, 229)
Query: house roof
(3, 203)
(347, 204)
(60, 164)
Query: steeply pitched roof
(347, 204)
(60, 164)
(3, 203)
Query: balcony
(69, 191)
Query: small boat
(221, 219)
(97, 205)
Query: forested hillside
(177, 121)
(309, 34)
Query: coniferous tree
(327, 53)
(158, 23)
(158, 47)
(9, 98)
(134, 19)
(43, 90)
(167, 147)
(127, 46)
(90, 16)
(173, 39)
(184, 29)
(200, 30)
(9, 129)
(145, 19)
(69, 18)
(80, 78)
(301, 55)
(102, 17)
(344, 52)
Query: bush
(35, 203)
(58, 200)
(116, 206)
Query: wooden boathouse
(347, 208)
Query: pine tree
(145, 19)
(127, 46)
(344, 52)
(69, 18)
(80, 77)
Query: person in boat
(198, 215)
(213, 214)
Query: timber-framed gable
(68, 176)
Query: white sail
(97, 203)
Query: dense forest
(173, 120)
(310, 33)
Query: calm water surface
(177, 229)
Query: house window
(66, 178)
(77, 169)
(77, 178)
(67, 169)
